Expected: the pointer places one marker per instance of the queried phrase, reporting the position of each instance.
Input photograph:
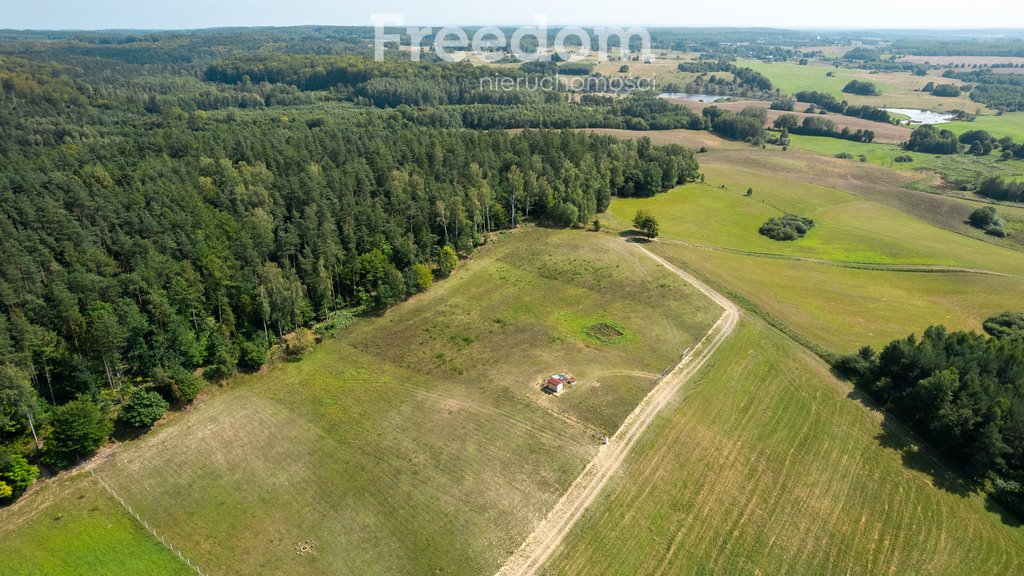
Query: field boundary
(539, 546)
(152, 531)
(872, 266)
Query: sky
(177, 14)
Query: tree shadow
(630, 233)
(1008, 518)
(125, 432)
(917, 456)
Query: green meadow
(74, 526)
(769, 465)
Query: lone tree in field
(645, 222)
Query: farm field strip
(882, 267)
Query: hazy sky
(99, 14)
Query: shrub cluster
(786, 228)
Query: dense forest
(999, 91)
(962, 392)
(165, 220)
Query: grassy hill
(416, 442)
(872, 269)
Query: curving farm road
(548, 535)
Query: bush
(1010, 494)
(252, 354)
(857, 366)
(1008, 325)
(447, 261)
(785, 103)
(143, 408)
(178, 383)
(844, 156)
(983, 217)
(300, 343)
(80, 427)
(186, 384)
(786, 122)
(903, 158)
(15, 473)
(946, 90)
(996, 231)
(645, 223)
(422, 276)
(861, 87)
(786, 228)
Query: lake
(922, 116)
(694, 97)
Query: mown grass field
(899, 90)
(842, 309)
(954, 166)
(73, 526)
(809, 285)
(849, 227)
(1010, 124)
(768, 465)
(420, 441)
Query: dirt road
(548, 535)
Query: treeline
(863, 54)
(1000, 91)
(745, 80)
(932, 140)
(962, 392)
(822, 100)
(819, 126)
(640, 111)
(747, 125)
(1001, 189)
(185, 49)
(830, 103)
(386, 83)
(930, 47)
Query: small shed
(554, 384)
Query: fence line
(145, 524)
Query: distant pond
(922, 116)
(694, 97)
